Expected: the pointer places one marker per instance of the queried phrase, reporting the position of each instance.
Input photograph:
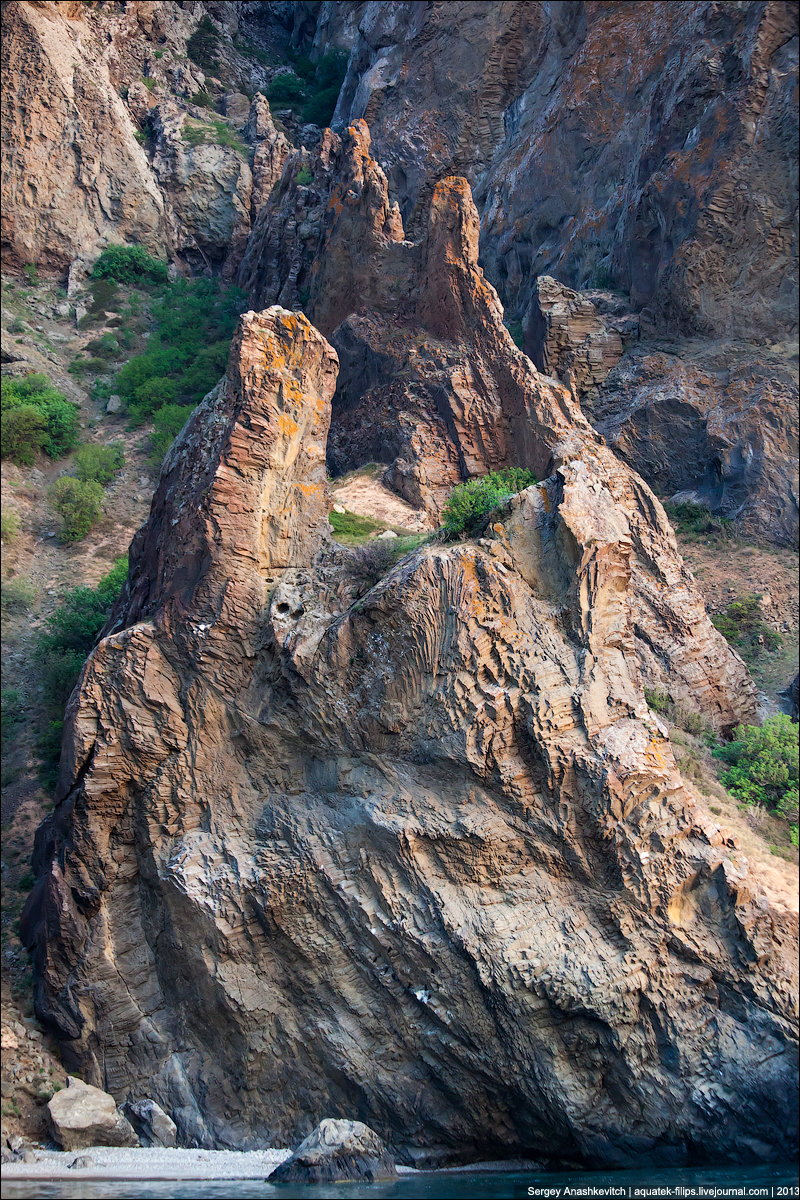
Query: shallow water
(769, 1182)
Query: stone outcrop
(78, 169)
(84, 1116)
(337, 1152)
(652, 148)
(431, 383)
(577, 337)
(716, 423)
(74, 176)
(424, 847)
(207, 186)
(151, 1124)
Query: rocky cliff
(419, 855)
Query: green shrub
(104, 296)
(78, 504)
(470, 503)
(167, 424)
(763, 766)
(328, 79)
(61, 419)
(304, 177)
(106, 347)
(149, 83)
(72, 632)
(99, 463)
(203, 100)
(285, 90)
(32, 273)
(23, 432)
(203, 46)
(17, 595)
(741, 623)
(657, 700)
(129, 264)
(9, 526)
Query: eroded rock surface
(577, 337)
(431, 383)
(424, 848)
(715, 423)
(650, 146)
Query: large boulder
(335, 1152)
(84, 1116)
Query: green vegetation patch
(167, 424)
(17, 595)
(763, 767)
(311, 88)
(203, 46)
(470, 503)
(72, 632)
(99, 464)
(79, 503)
(696, 523)
(188, 351)
(35, 416)
(215, 131)
(350, 529)
(129, 264)
(742, 624)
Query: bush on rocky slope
(72, 632)
(35, 416)
(129, 264)
(764, 767)
(471, 502)
(188, 351)
(78, 503)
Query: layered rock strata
(577, 337)
(421, 855)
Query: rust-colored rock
(568, 338)
(429, 845)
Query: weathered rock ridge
(420, 857)
(431, 383)
(652, 145)
(713, 422)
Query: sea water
(766, 1182)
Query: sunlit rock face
(422, 858)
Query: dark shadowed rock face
(651, 146)
(425, 856)
(716, 421)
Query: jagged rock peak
(243, 487)
(444, 807)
